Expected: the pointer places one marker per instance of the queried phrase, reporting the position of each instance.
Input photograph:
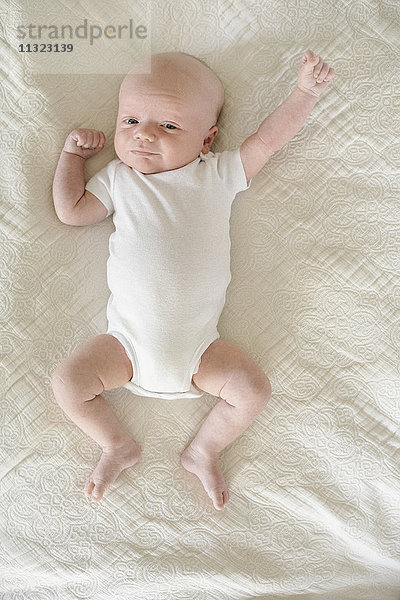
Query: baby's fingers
(81, 137)
(330, 75)
(322, 73)
(87, 140)
(99, 139)
(309, 60)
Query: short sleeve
(102, 185)
(230, 169)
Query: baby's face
(167, 118)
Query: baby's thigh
(226, 369)
(103, 357)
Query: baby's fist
(314, 74)
(85, 142)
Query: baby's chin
(149, 165)
(139, 163)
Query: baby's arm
(286, 120)
(69, 179)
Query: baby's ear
(212, 132)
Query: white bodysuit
(169, 265)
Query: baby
(169, 268)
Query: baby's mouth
(143, 152)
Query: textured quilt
(314, 508)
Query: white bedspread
(314, 299)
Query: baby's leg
(228, 372)
(98, 364)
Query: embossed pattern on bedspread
(314, 506)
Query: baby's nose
(144, 131)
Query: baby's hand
(85, 142)
(314, 74)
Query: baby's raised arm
(69, 178)
(286, 120)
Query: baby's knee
(262, 388)
(248, 387)
(58, 384)
(75, 384)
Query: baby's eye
(131, 121)
(169, 126)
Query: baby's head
(171, 112)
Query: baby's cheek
(120, 146)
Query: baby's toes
(99, 489)
(219, 499)
(89, 485)
(95, 490)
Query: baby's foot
(112, 462)
(206, 466)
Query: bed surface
(314, 300)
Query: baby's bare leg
(228, 372)
(98, 364)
